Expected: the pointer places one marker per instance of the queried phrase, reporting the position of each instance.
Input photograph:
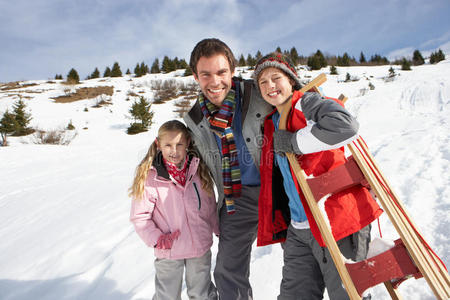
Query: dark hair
(208, 48)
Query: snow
(64, 209)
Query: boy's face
(275, 86)
(214, 77)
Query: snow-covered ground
(64, 210)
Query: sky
(42, 38)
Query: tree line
(315, 61)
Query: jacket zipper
(198, 196)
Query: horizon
(48, 37)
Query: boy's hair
(136, 191)
(208, 48)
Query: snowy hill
(64, 210)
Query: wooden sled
(411, 256)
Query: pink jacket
(167, 206)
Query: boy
(317, 129)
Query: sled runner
(410, 257)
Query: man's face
(214, 77)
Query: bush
(53, 137)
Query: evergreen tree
(137, 70)
(107, 72)
(155, 67)
(167, 65)
(182, 64)
(348, 77)
(242, 61)
(22, 118)
(436, 57)
(8, 125)
(128, 72)
(140, 111)
(333, 70)
(258, 56)
(343, 61)
(176, 63)
(391, 72)
(72, 76)
(294, 56)
(278, 50)
(406, 65)
(188, 71)
(362, 58)
(58, 76)
(250, 61)
(317, 61)
(95, 74)
(115, 71)
(418, 58)
(378, 60)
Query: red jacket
(348, 211)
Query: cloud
(47, 37)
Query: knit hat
(280, 61)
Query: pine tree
(140, 111)
(188, 71)
(436, 57)
(294, 56)
(378, 60)
(406, 65)
(128, 72)
(333, 70)
(418, 58)
(278, 50)
(258, 55)
(317, 61)
(362, 58)
(137, 70)
(8, 125)
(242, 61)
(167, 65)
(22, 118)
(182, 64)
(95, 74)
(115, 71)
(155, 67)
(250, 60)
(391, 72)
(107, 72)
(72, 77)
(58, 76)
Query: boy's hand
(285, 141)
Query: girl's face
(275, 86)
(173, 146)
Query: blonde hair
(136, 191)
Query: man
(225, 124)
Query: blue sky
(42, 38)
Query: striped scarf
(220, 120)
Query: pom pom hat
(279, 61)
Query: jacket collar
(160, 168)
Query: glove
(165, 241)
(285, 141)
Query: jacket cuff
(295, 144)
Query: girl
(174, 211)
(317, 128)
